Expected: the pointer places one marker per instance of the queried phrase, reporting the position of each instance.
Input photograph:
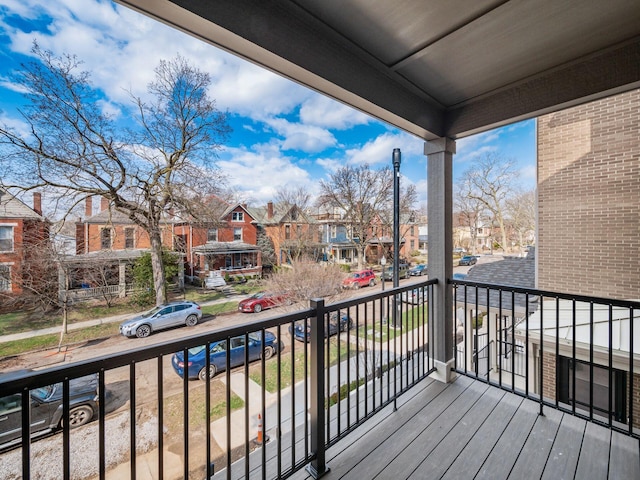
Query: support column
(122, 279)
(439, 154)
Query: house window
(237, 234)
(412, 244)
(298, 231)
(181, 243)
(105, 238)
(334, 231)
(287, 232)
(128, 238)
(212, 235)
(6, 239)
(412, 231)
(237, 216)
(568, 368)
(5, 278)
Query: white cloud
(262, 172)
(379, 151)
(306, 138)
(325, 112)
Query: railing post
(318, 467)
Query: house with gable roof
(23, 232)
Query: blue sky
(284, 135)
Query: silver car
(164, 316)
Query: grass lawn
(271, 366)
(411, 318)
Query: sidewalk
(90, 323)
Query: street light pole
(396, 229)
(383, 263)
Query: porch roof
(223, 248)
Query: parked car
(418, 270)
(459, 250)
(414, 297)
(46, 408)
(468, 260)
(361, 278)
(196, 360)
(403, 272)
(263, 300)
(302, 330)
(459, 276)
(164, 316)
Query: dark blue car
(302, 330)
(196, 367)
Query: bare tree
(491, 181)
(76, 150)
(362, 194)
(303, 280)
(299, 197)
(521, 209)
(470, 212)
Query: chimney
(269, 210)
(104, 204)
(88, 208)
(37, 202)
(244, 205)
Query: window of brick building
(237, 234)
(237, 216)
(212, 235)
(128, 238)
(105, 238)
(6, 239)
(287, 232)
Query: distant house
(228, 247)
(294, 233)
(23, 232)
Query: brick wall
(589, 198)
(549, 376)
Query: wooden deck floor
(468, 429)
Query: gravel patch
(47, 453)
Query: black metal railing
(578, 354)
(269, 399)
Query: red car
(263, 300)
(361, 278)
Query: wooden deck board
(409, 457)
(624, 461)
(445, 453)
(563, 459)
(466, 429)
(470, 460)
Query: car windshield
(259, 295)
(43, 393)
(151, 313)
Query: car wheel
(356, 286)
(192, 320)
(372, 283)
(268, 352)
(257, 308)
(80, 415)
(143, 331)
(202, 374)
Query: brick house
(23, 232)
(294, 233)
(228, 246)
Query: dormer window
(237, 216)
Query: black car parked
(46, 409)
